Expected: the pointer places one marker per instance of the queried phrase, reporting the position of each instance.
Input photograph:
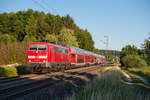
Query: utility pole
(107, 40)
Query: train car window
(88, 57)
(73, 55)
(92, 60)
(39, 47)
(56, 49)
(80, 60)
(60, 50)
(50, 46)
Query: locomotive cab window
(39, 47)
(33, 47)
(42, 47)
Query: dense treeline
(131, 56)
(26, 26)
(17, 29)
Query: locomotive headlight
(42, 56)
(29, 60)
(44, 61)
(31, 56)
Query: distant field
(143, 71)
(111, 85)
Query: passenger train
(45, 56)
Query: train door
(51, 54)
(73, 58)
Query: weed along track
(10, 89)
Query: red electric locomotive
(47, 56)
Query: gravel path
(142, 79)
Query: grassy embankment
(112, 85)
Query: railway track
(11, 79)
(17, 88)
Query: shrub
(22, 70)
(133, 61)
(8, 71)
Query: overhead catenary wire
(36, 2)
(46, 4)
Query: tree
(34, 25)
(84, 39)
(55, 24)
(31, 28)
(145, 53)
(28, 39)
(5, 38)
(43, 27)
(146, 46)
(4, 23)
(66, 36)
(17, 30)
(52, 38)
(68, 22)
(129, 50)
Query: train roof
(78, 50)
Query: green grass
(111, 85)
(142, 71)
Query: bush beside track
(133, 61)
(10, 71)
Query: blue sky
(124, 21)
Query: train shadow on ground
(61, 86)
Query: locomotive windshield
(39, 47)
